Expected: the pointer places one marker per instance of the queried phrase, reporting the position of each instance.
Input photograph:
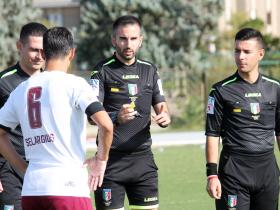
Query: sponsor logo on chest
(130, 76)
(251, 95)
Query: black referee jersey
(10, 78)
(246, 116)
(120, 84)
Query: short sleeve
(96, 82)
(84, 95)
(158, 94)
(277, 117)
(214, 113)
(8, 113)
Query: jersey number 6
(34, 107)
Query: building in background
(67, 12)
(266, 10)
(60, 12)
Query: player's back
(51, 118)
(51, 110)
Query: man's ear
(43, 54)
(113, 40)
(19, 46)
(72, 54)
(141, 40)
(261, 54)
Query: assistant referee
(244, 110)
(29, 45)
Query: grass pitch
(182, 179)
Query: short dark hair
(125, 20)
(250, 33)
(57, 42)
(31, 29)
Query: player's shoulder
(8, 72)
(271, 80)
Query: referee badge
(107, 196)
(132, 89)
(232, 202)
(8, 207)
(255, 108)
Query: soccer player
(50, 108)
(244, 110)
(128, 87)
(30, 63)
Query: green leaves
(13, 15)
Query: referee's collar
(123, 64)
(240, 78)
(20, 70)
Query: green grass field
(182, 178)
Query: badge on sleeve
(95, 85)
(210, 105)
(160, 87)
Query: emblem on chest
(255, 110)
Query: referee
(30, 62)
(128, 87)
(244, 110)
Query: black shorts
(248, 183)
(136, 175)
(12, 182)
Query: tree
(176, 37)
(13, 15)
(172, 29)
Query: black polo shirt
(118, 84)
(246, 116)
(10, 78)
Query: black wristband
(211, 169)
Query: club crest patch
(210, 105)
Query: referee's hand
(126, 114)
(214, 188)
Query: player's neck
(57, 65)
(251, 77)
(126, 62)
(27, 70)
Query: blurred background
(190, 41)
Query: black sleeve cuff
(93, 108)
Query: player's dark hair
(125, 20)
(57, 42)
(250, 33)
(32, 29)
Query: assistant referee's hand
(214, 188)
